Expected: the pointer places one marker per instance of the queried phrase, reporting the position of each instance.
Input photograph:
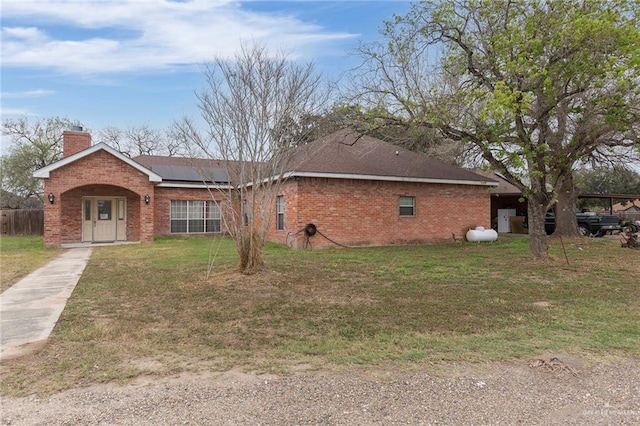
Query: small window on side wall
(280, 212)
(407, 206)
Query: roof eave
(194, 185)
(45, 172)
(390, 178)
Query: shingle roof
(628, 206)
(504, 186)
(347, 152)
(344, 154)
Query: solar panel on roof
(191, 174)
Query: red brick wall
(72, 200)
(292, 223)
(360, 212)
(350, 212)
(73, 142)
(97, 174)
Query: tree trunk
(537, 235)
(249, 247)
(565, 214)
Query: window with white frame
(280, 212)
(212, 215)
(195, 216)
(407, 206)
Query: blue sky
(130, 62)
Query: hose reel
(310, 230)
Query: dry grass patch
(154, 310)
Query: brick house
(354, 189)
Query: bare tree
(142, 140)
(390, 129)
(247, 105)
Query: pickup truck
(589, 224)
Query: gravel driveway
(499, 394)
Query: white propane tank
(481, 235)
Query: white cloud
(129, 35)
(23, 33)
(36, 93)
(15, 112)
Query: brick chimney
(75, 140)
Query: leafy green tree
(607, 180)
(34, 144)
(531, 87)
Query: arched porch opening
(99, 213)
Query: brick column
(147, 217)
(52, 219)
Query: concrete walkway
(30, 308)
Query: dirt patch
(24, 350)
(499, 393)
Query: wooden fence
(22, 222)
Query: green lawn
(21, 255)
(177, 305)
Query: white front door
(101, 218)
